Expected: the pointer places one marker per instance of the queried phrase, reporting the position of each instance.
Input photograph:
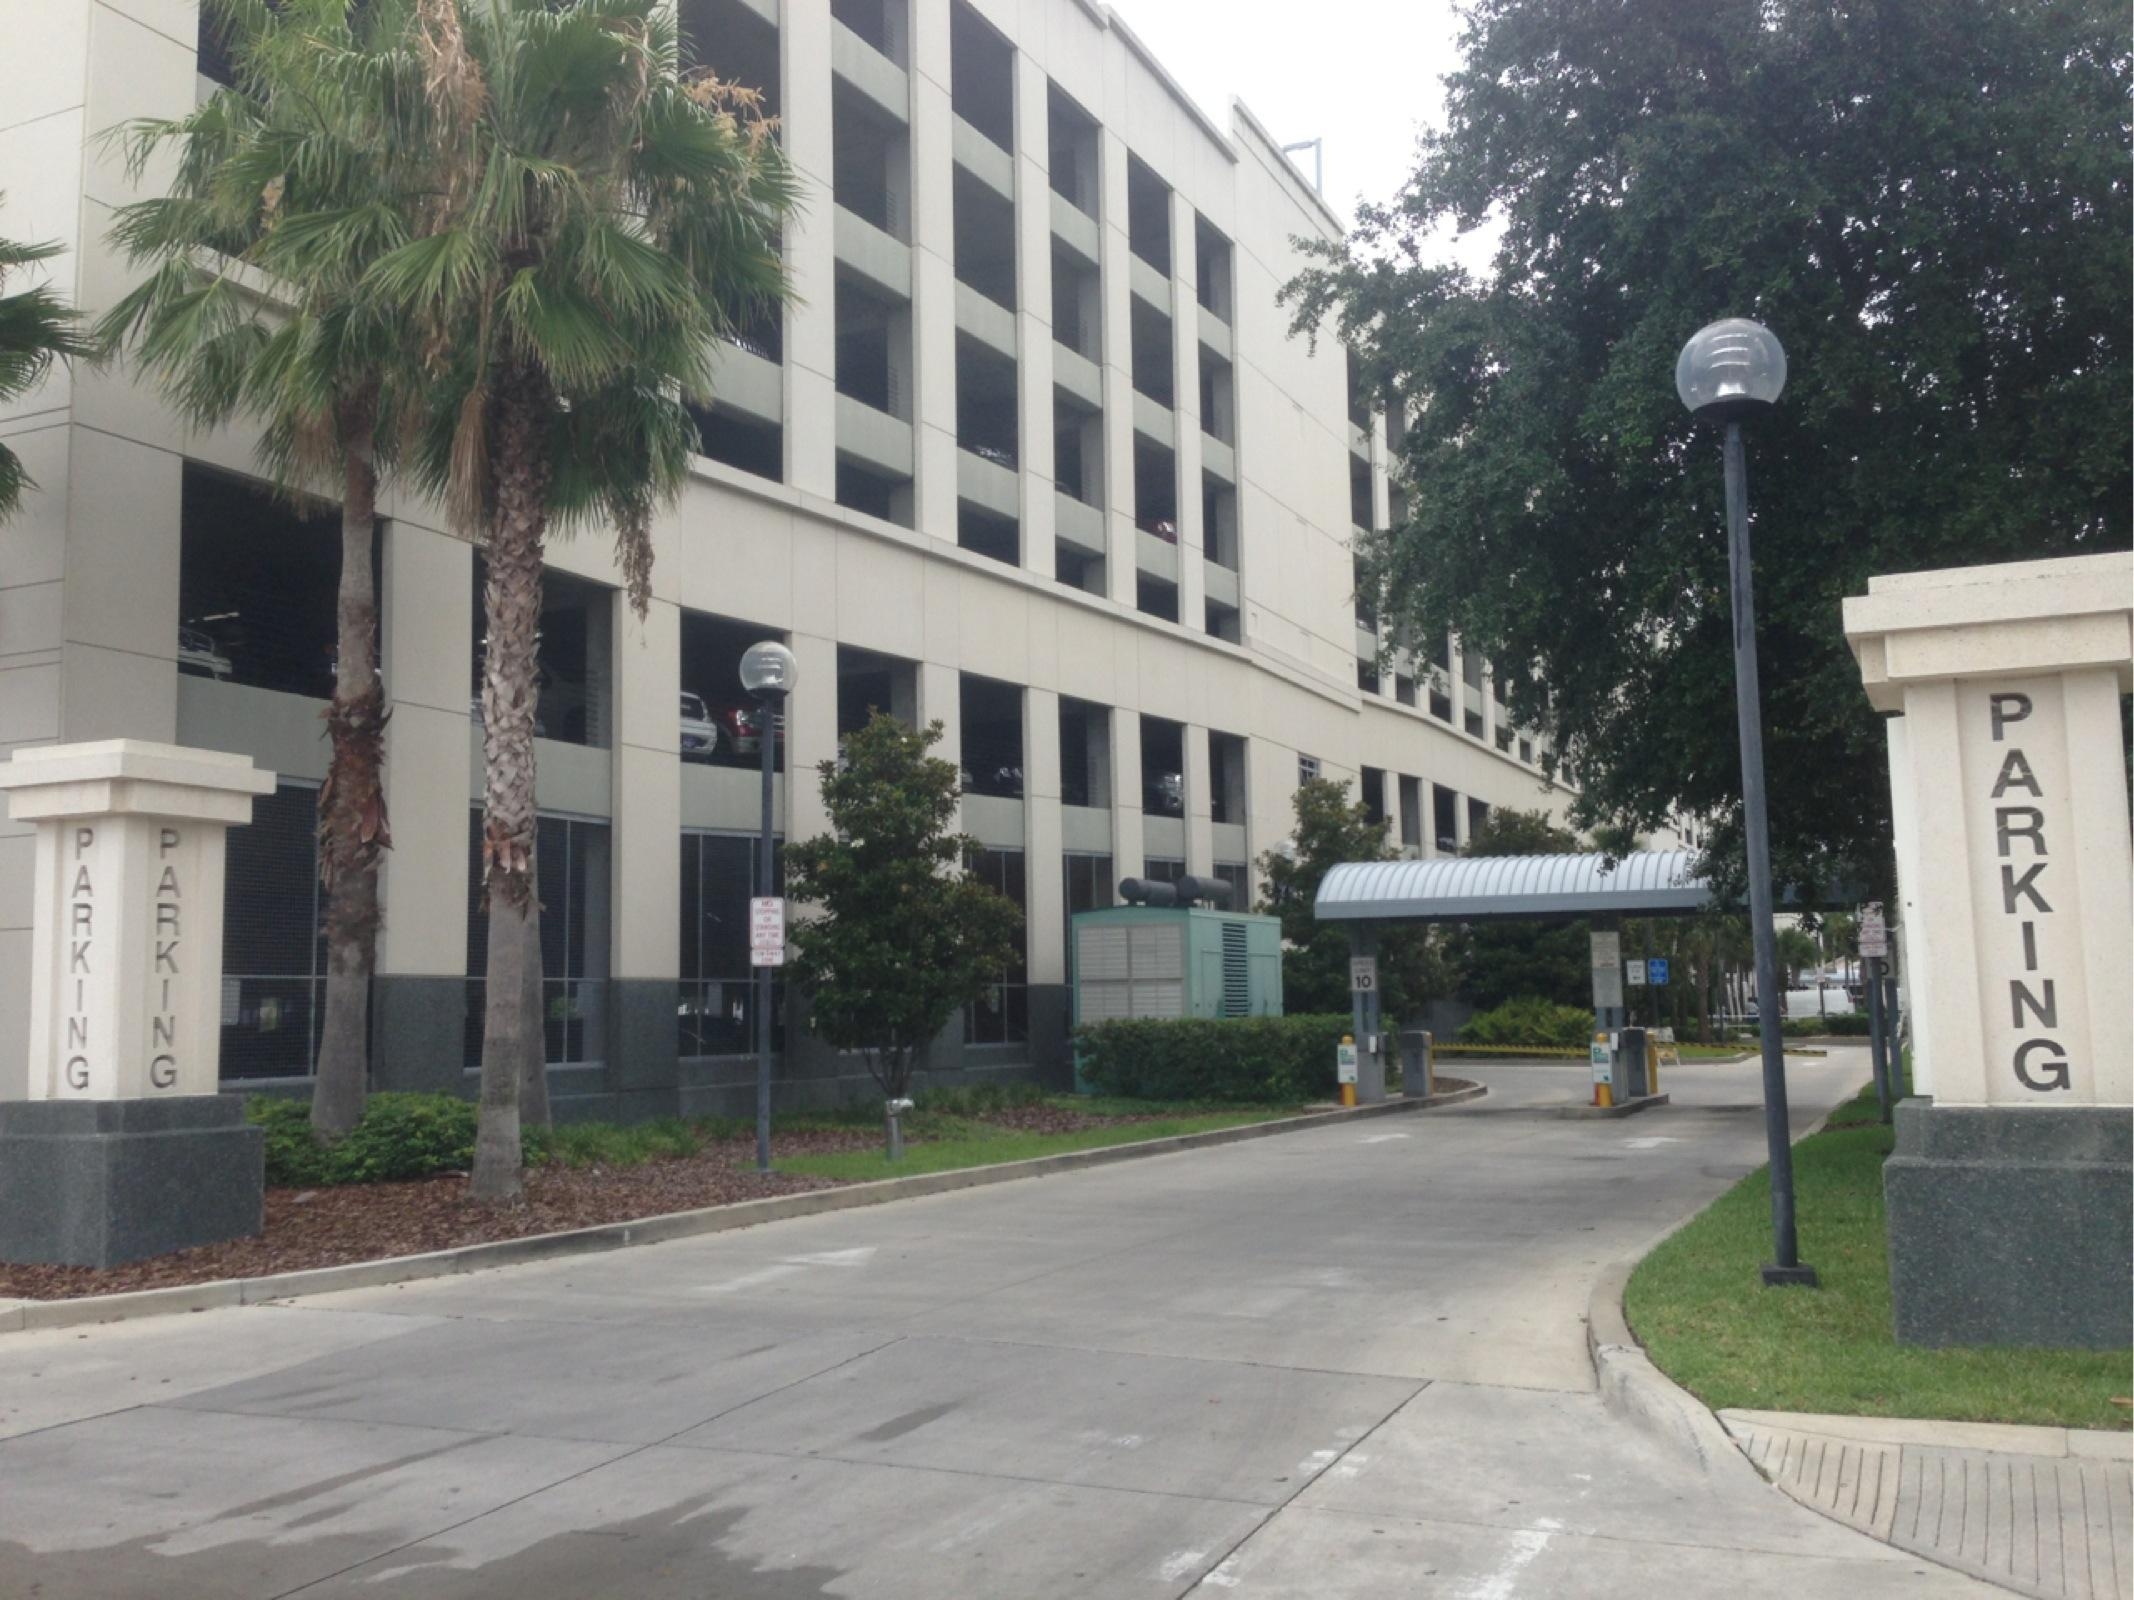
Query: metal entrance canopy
(1476, 888)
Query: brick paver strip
(2049, 1513)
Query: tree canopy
(902, 938)
(1926, 200)
(36, 328)
(1332, 828)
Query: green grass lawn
(973, 1144)
(1698, 1308)
(949, 1129)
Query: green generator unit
(1160, 955)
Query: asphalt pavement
(1342, 1363)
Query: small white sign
(766, 931)
(1363, 974)
(1345, 1063)
(1874, 933)
(1634, 971)
(1607, 971)
(1603, 1062)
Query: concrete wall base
(2011, 1226)
(98, 1183)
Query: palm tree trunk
(352, 820)
(533, 1060)
(511, 603)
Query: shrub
(401, 1136)
(294, 1159)
(1273, 1060)
(1845, 1024)
(1530, 1020)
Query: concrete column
(1033, 323)
(1127, 855)
(1041, 836)
(941, 700)
(811, 733)
(646, 839)
(1185, 396)
(1460, 821)
(1200, 826)
(933, 275)
(810, 254)
(432, 763)
(1117, 280)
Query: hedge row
(401, 1136)
(1844, 1024)
(1268, 1060)
(1530, 1020)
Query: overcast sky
(1361, 74)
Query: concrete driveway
(1349, 1362)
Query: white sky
(1361, 74)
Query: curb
(1631, 1385)
(1621, 1108)
(28, 1316)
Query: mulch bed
(326, 1227)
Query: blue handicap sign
(1656, 970)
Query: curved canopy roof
(1473, 888)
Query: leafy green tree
(903, 940)
(596, 218)
(1927, 201)
(1332, 829)
(1493, 962)
(36, 328)
(273, 186)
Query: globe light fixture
(1731, 369)
(768, 672)
(1728, 371)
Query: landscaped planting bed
(588, 1174)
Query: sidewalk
(2043, 1511)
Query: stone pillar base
(2010, 1225)
(98, 1183)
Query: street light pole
(1727, 371)
(768, 674)
(767, 735)
(1756, 824)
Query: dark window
(718, 994)
(719, 721)
(1477, 817)
(981, 76)
(273, 954)
(1163, 767)
(1445, 817)
(258, 585)
(1404, 688)
(1411, 812)
(1374, 795)
(1163, 869)
(1089, 887)
(731, 39)
(572, 878)
(1307, 769)
(1239, 877)
(992, 737)
(740, 440)
(1148, 215)
(1367, 677)
(1002, 1014)
(1085, 753)
(881, 23)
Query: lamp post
(768, 673)
(1731, 370)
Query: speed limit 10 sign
(1363, 974)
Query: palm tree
(36, 327)
(280, 204)
(600, 220)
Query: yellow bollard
(1345, 1069)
